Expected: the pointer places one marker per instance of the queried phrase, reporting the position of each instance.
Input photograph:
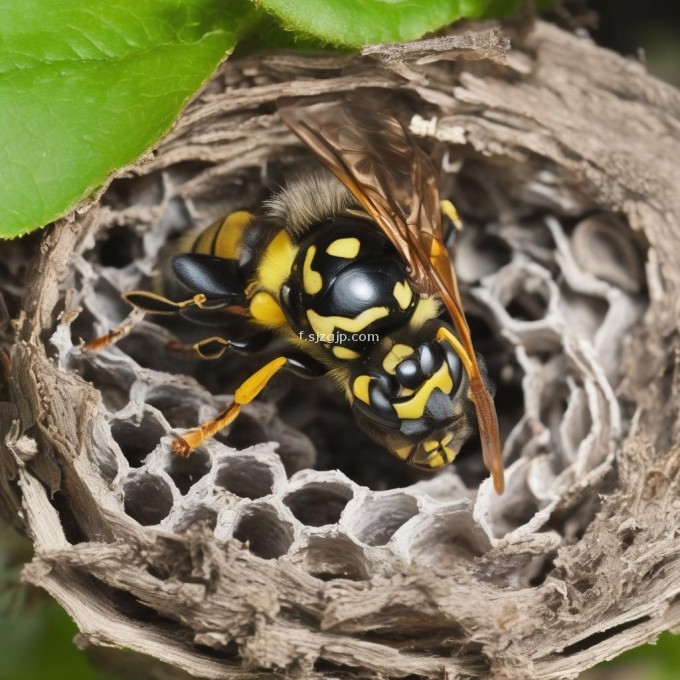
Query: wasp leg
(143, 303)
(300, 364)
(115, 334)
(215, 346)
(151, 303)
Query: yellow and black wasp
(350, 269)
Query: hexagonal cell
(185, 472)
(178, 407)
(449, 535)
(148, 498)
(479, 254)
(245, 476)
(603, 245)
(335, 556)
(529, 303)
(196, 516)
(118, 247)
(245, 431)
(137, 437)
(319, 503)
(268, 536)
(380, 516)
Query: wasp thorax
(347, 287)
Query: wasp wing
(375, 157)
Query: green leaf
(355, 23)
(87, 87)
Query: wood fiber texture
(580, 559)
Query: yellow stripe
(265, 310)
(403, 294)
(426, 309)
(403, 452)
(415, 406)
(360, 388)
(344, 353)
(325, 325)
(227, 243)
(204, 242)
(394, 356)
(347, 248)
(276, 263)
(311, 280)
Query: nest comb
(292, 546)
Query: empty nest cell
(177, 406)
(333, 556)
(137, 437)
(377, 518)
(319, 503)
(265, 532)
(185, 472)
(148, 498)
(245, 476)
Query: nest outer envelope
(252, 564)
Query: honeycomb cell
(137, 437)
(528, 304)
(119, 247)
(319, 503)
(335, 556)
(185, 472)
(178, 407)
(148, 498)
(244, 432)
(449, 535)
(196, 516)
(480, 254)
(603, 245)
(245, 476)
(379, 517)
(267, 534)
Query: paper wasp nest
(292, 543)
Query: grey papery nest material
(293, 546)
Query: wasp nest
(292, 545)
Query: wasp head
(412, 395)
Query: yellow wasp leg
(446, 334)
(152, 303)
(157, 304)
(209, 348)
(491, 454)
(184, 445)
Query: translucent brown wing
(375, 157)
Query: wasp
(350, 269)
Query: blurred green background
(36, 635)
